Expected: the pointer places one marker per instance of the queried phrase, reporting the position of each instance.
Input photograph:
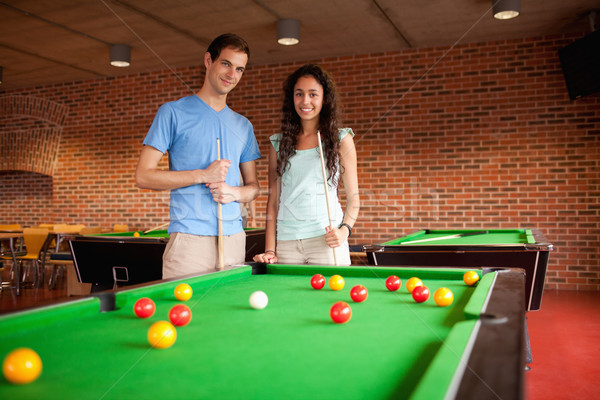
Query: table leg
(58, 238)
(528, 352)
(15, 266)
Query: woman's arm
(269, 256)
(348, 162)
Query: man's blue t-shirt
(188, 130)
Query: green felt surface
(161, 233)
(492, 237)
(391, 348)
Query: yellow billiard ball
(471, 277)
(22, 366)
(183, 292)
(136, 234)
(443, 297)
(162, 334)
(336, 282)
(413, 283)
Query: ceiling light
(288, 32)
(120, 55)
(506, 9)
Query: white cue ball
(258, 300)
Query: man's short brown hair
(227, 40)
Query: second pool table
(392, 347)
(123, 259)
(508, 248)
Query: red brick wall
(479, 136)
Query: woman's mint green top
(302, 202)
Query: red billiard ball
(359, 293)
(420, 294)
(317, 281)
(340, 312)
(144, 307)
(393, 283)
(180, 315)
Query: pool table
(392, 347)
(121, 258)
(510, 248)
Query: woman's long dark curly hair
(328, 121)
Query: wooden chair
(58, 227)
(34, 239)
(60, 230)
(65, 228)
(75, 228)
(59, 257)
(53, 228)
(92, 230)
(120, 228)
(47, 226)
(59, 263)
(5, 252)
(11, 228)
(2, 283)
(62, 262)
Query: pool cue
(444, 237)
(326, 192)
(157, 228)
(221, 266)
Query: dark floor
(564, 334)
(30, 297)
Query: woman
(298, 225)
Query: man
(188, 129)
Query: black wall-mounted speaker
(580, 63)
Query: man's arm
(223, 193)
(249, 191)
(149, 176)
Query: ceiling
(51, 41)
